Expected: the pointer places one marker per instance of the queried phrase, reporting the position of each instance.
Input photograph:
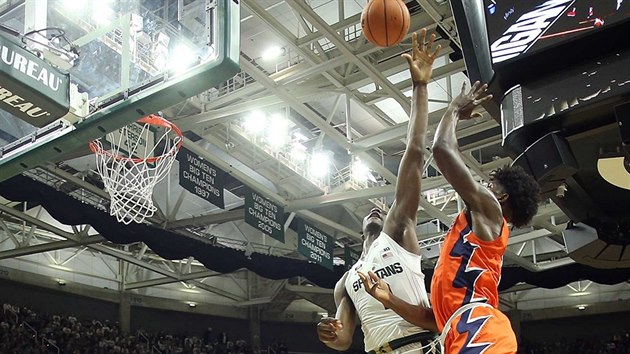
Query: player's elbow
(441, 149)
(341, 344)
(415, 151)
(427, 319)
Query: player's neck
(369, 239)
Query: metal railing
(150, 346)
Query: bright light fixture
(60, 267)
(271, 53)
(277, 130)
(255, 122)
(181, 58)
(298, 152)
(580, 293)
(74, 5)
(102, 12)
(320, 163)
(192, 291)
(581, 307)
(360, 171)
(298, 136)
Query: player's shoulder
(341, 283)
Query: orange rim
(151, 119)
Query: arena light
(580, 293)
(298, 136)
(255, 122)
(60, 267)
(298, 152)
(320, 164)
(277, 130)
(192, 291)
(102, 12)
(74, 5)
(181, 58)
(192, 304)
(272, 53)
(360, 172)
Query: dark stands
(25, 330)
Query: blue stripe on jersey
(472, 328)
(465, 278)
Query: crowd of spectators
(615, 344)
(26, 331)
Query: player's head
(373, 222)
(518, 193)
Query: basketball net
(132, 167)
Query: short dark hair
(523, 191)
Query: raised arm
(336, 332)
(400, 222)
(447, 156)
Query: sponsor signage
(315, 245)
(200, 177)
(30, 88)
(264, 215)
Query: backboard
(124, 59)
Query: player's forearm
(338, 346)
(415, 314)
(419, 117)
(445, 137)
(342, 343)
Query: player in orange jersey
(464, 288)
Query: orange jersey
(468, 271)
(480, 330)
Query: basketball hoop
(139, 157)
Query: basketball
(385, 22)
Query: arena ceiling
(345, 97)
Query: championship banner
(30, 88)
(200, 177)
(315, 245)
(264, 215)
(350, 256)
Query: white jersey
(402, 270)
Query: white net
(140, 155)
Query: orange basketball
(385, 22)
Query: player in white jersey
(390, 247)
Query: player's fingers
(473, 89)
(480, 91)
(463, 88)
(431, 40)
(363, 278)
(328, 321)
(437, 51)
(373, 276)
(408, 58)
(338, 325)
(485, 98)
(327, 336)
(423, 35)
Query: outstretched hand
(421, 58)
(465, 103)
(377, 287)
